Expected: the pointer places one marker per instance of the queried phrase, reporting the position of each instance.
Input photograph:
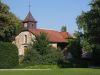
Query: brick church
(30, 31)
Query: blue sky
(51, 14)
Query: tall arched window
(25, 39)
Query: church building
(30, 31)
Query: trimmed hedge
(8, 55)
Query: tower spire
(29, 22)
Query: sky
(50, 14)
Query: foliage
(83, 42)
(63, 29)
(42, 44)
(75, 49)
(8, 55)
(86, 46)
(89, 22)
(42, 52)
(9, 23)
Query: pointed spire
(29, 18)
(29, 22)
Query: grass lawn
(67, 71)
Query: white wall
(54, 45)
(20, 41)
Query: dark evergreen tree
(63, 29)
(42, 44)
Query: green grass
(68, 71)
(21, 66)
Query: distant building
(30, 31)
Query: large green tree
(9, 23)
(89, 23)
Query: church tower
(29, 22)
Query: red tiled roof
(53, 36)
(66, 35)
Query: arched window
(25, 39)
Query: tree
(63, 29)
(75, 49)
(9, 23)
(89, 23)
(42, 52)
(42, 44)
(8, 55)
(83, 41)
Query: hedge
(51, 58)
(8, 55)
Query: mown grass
(23, 66)
(67, 71)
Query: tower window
(25, 39)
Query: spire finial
(29, 6)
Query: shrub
(52, 57)
(32, 57)
(8, 55)
(75, 49)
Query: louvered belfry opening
(29, 22)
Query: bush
(8, 55)
(52, 57)
(32, 57)
(65, 64)
(75, 49)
